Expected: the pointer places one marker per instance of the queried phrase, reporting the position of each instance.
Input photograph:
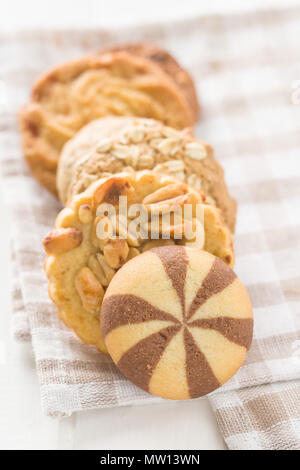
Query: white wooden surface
(22, 424)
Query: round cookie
(75, 93)
(167, 62)
(114, 144)
(81, 262)
(177, 322)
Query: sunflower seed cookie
(184, 328)
(97, 233)
(113, 144)
(75, 93)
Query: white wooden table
(22, 425)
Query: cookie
(77, 92)
(114, 144)
(167, 62)
(177, 322)
(88, 246)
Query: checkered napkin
(245, 68)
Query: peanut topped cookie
(184, 328)
(114, 220)
(113, 144)
(77, 92)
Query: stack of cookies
(139, 261)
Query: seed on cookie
(104, 146)
(145, 161)
(155, 143)
(169, 167)
(136, 134)
(120, 151)
(171, 133)
(133, 156)
(195, 150)
(169, 146)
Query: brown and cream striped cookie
(81, 263)
(177, 322)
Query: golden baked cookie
(114, 144)
(167, 62)
(77, 92)
(90, 242)
(184, 328)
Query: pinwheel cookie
(184, 328)
(115, 144)
(75, 93)
(88, 246)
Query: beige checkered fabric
(244, 67)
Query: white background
(22, 425)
